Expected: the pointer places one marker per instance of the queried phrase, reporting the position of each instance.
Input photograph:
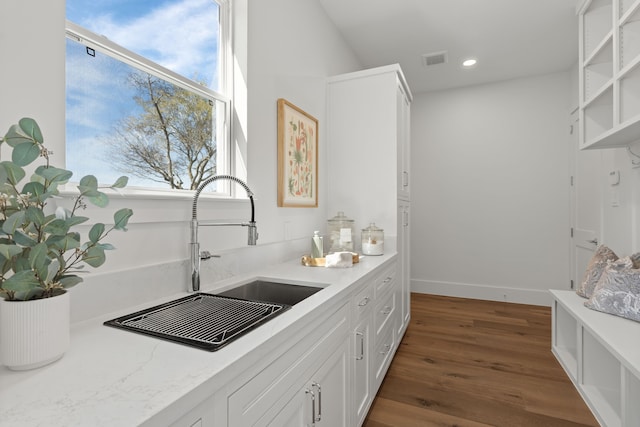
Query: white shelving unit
(601, 356)
(609, 61)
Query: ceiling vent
(431, 59)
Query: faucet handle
(206, 255)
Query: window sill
(159, 206)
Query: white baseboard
(484, 292)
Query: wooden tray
(307, 261)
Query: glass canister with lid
(372, 240)
(341, 233)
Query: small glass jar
(341, 233)
(372, 240)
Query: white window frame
(225, 152)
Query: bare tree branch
(170, 140)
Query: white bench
(601, 354)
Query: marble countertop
(111, 377)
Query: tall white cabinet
(609, 70)
(368, 150)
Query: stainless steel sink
(200, 320)
(268, 291)
(209, 321)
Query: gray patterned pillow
(618, 292)
(635, 259)
(595, 268)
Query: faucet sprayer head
(253, 234)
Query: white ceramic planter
(34, 333)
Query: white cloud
(179, 36)
(89, 88)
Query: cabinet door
(403, 141)
(322, 401)
(361, 114)
(291, 415)
(361, 364)
(330, 385)
(403, 288)
(272, 391)
(382, 354)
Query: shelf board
(568, 361)
(582, 8)
(633, 14)
(601, 51)
(629, 68)
(605, 412)
(619, 136)
(599, 96)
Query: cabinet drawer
(384, 283)
(278, 382)
(362, 302)
(382, 354)
(385, 312)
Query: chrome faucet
(196, 255)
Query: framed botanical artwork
(297, 157)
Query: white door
(586, 203)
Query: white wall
(290, 48)
(620, 223)
(293, 47)
(490, 200)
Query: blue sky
(181, 35)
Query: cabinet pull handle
(387, 280)
(386, 310)
(313, 406)
(405, 179)
(406, 219)
(361, 335)
(364, 302)
(317, 385)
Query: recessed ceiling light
(468, 63)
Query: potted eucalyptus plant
(41, 252)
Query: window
(145, 91)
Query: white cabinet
(327, 373)
(385, 319)
(404, 279)
(375, 316)
(362, 390)
(600, 354)
(368, 145)
(369, 156)
(609, 74)
(307, 382)
(368, 151)
(403, 137)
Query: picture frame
(297, 157)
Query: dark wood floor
(467, 362)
